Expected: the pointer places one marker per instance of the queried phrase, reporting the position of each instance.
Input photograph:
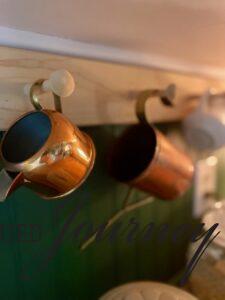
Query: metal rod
(34, 98)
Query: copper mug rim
(18, 166)
(119, 148)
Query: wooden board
(105, 92)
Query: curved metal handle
(8, 184)
(166, 96)
(34, 98)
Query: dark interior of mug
(132, 152)
(26, 137)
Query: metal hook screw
(34, 98)
(60, 83)
(166, 96)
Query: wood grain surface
(105, 92)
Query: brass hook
(166, 96)
(34, 98)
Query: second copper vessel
(144, 158)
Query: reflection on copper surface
(61, 164)
(144, 158)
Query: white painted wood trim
(34, 41)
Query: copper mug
(44, 151)
(144, 158)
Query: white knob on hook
(61, 83)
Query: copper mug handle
(8, 184)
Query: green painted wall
(71, 274)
